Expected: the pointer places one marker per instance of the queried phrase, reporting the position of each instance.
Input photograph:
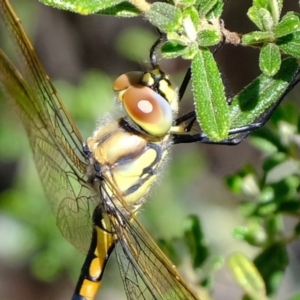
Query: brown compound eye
(126, 80)
(148, 110)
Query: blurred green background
(83, 54)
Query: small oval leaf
(290, 44)
(270, 59)
(123, 9)
(210, 101)
(205, 6)
(208, 37)
(165, 16)
(256, 37)
(82, 6)
(267, 19)
(271, 263)
(247, 276)
(289, 24)
(275, 8)
(254, 16)
(193, 14)
(172, 50)
(196, 241)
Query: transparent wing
(55, 141)
(146, 272)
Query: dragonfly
(97, 187)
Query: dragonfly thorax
(129, 162)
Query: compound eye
(148, 110)
(126, 80)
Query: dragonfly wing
(146, 271)
(56, 142)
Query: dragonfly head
(149, 99)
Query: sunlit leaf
(210, 101)
(164, 16)
(247, 276)
(255, 100)
(270, 59)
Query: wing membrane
(55, 140)
(146, 272)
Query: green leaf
(216, 11)
(261, 3)
(273, 161)
(192, 13)
(247, 276)
(270, 59)
(253, 234)
(82, 6)
(180, 39)
(205, 6)
(190, 52)
(289, 24)
(187, 3)
(266, 146)
(289, 206)
(289, 113)
(267, 19)
(243, 180)
(261, 94)
(271, 264)
(166, 17)
(208, 37)
(257, 37)
(172, 50)
(265, 13)
(234, 183)
(209, 9)
(267, 208)
(123, 9)
(254, 16)
(290, 44)
(196, 241)
(209, 96)
(275, 9)
(189, 29)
